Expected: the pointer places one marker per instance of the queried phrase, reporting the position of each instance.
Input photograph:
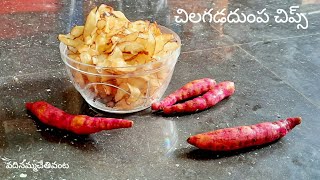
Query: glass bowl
(132, 90)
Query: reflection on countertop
(275, 68)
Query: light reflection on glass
(170, 137)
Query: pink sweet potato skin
(78, 124)
(207, 100)
(189, 90)
(236, 138)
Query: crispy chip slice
(77, 31)
(105, 10)
(69, 41)
(140, 59)
(139, 82)
(92, 78)
(130, 47)
(134, 94)
(91, 22)
(161, 40)
(101, 24)
(101, 60)
(168, 48)
(85, 57)
(75, 57)
(155, 29)
(151, 44)
(72, 50)
(121, 91)
(110, 22)
(120, 15)
(83, 48)
(115, 39)
(129, 38)
(118, 62)
(139, 26)
(109, 48)
(115, 56)
(102, 42)
(128, 56)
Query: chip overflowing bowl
(119, 66)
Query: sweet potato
(189, 90)
(78, 124)
(235, 138)
(207, 100)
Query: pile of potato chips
(112, 52)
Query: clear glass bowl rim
(63, 50)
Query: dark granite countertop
(276, 68)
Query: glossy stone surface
(275, 68)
